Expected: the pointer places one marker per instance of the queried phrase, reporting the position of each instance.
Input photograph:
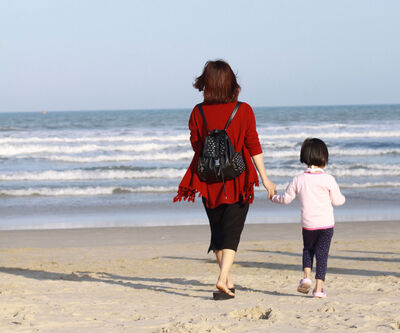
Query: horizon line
(185, 108)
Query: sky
(109, 55)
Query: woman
(226, 204)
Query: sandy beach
(160, 279)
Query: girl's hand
(270, 187)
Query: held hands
(270, 187)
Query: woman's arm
(259, 163)
(252, 143)
(195, 139)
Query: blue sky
(87, 55)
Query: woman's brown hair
(218, 83)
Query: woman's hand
(270, 187)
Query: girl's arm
(288, 196)
(337, 198)
(259, 163)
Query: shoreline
(166, 213)
(142, 235)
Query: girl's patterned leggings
(317, 242)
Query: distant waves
(67, 154)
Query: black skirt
(226, 224)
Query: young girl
(317, 192)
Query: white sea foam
(83, 191)
(295, 153)
(282, 187)
(303, 127)
(121, 157)
(370, 185)
(290, 133)
(365, 173)
(332, 135)
(279, 144)
(350, 170)
(154, 152)
(14, 150)
(111, 190)
(339, 171)
(80, 174)
(9, 129)
(96, 139)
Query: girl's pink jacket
(317, 193)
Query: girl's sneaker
(304, 286)
(319, 294)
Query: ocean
(122, 168)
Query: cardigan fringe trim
(186, 193)
(189, 194)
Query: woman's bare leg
(227, 258)
(229, 282)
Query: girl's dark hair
(314, 152)
(218, 83)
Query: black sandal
(221, 295)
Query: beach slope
(160, 279)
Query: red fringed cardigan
(242, 133)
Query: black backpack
(219, 161)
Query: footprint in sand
(190, 328)
(256, 313)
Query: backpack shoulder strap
(204, 117)
(232, 115)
